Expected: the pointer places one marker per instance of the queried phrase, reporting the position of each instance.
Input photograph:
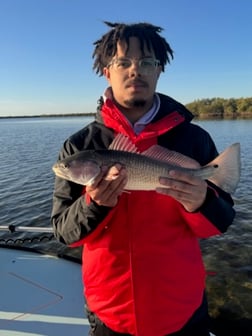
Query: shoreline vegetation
(220, 108)
(208, 108)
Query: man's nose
(135, 69)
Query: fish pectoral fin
(170, 157)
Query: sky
(46, 50)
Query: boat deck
(35, 295)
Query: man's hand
(189, 190)
(108, 185)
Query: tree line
(221, 108)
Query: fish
(145, 168)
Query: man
(142, 267)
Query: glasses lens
(146, 65)
(123, 63)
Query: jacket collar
(169, 115)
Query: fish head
(80, 172)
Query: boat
(41, 294)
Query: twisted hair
(148, 35)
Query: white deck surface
(40, 295)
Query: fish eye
(63, 165)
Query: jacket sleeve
(73, 216)
(218, 208)
(214, 216)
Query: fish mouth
(58, 172)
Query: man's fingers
(108, 186)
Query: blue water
(29, 147)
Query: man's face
(133, 83)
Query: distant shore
(91, 114)
(84, 115)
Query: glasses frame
(147, 70)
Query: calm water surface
(29, 147)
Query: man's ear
(106, 73)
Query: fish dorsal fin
(123, 143)
(171, 157)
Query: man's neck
(135, 113)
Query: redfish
(144, 169)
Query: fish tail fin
(227, 175)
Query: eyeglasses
(146, 65)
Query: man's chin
(135, 103)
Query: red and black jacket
(142, 267)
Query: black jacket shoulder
(169, 105)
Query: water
(229, 257)
(30, 146)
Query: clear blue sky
(46, 50)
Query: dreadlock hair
(148, 34)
